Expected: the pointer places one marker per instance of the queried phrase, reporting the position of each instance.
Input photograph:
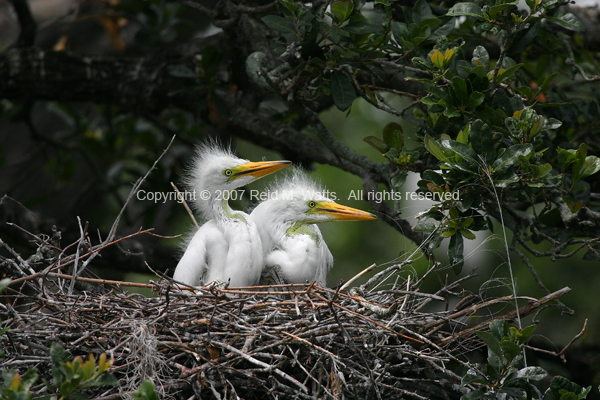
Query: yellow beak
(258, 169)
(340, 212)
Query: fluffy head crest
(297, 185)
(205, 178)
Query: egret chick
(292, 242)
(227, 247)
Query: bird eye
(311, 204)
(228, 172)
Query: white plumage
(228, 246)
(292, 242)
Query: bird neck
(301, 228)
(221, 208)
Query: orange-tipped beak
(340, 212)
(259, 169)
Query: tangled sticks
(290, 341)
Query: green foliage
(480, 120)
(69, 377)
(15, 386)
(504, 376)
(145, 392)
(76, 375)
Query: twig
(187, 208)
(561, 353)
(261, 364)
(355, 277)
(523, 311)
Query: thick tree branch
(28, 25)
(141, 84)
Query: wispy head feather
(205, 173)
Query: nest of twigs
(291, 341)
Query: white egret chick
(228, 246)
(292, 242)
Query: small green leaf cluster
(504, 376)
(76, 375)
(16, 386)
(69, 377)
(392, 145)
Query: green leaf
(467, 234)
(481, 54)
(482, 140)
(464, 151)
(511, 349)
(105, 379)
(508, 72)
(430, 101)
(526, 92)
(425, 227)
(473, 376)
(362, 28)
(449, 233)
(58, 354)
(398, 180)
(533, 373)
(421, 11)
(377, 144)
(552, 123)
(474, 394)
(393, 135)
(491, 342)
(498, 328)
(432, 176)
(566, 157)
(544, 86)
(29, 378)
(455, 253)
(342, 90)
(342, 9)
(145, 392)
(288, 7)
(497, 9)
(463, 135)
(280, 24)
(539, 171)
(568, 21)
(434, 148)
(590, 166)
(427, 25)
(336, 33)
(460, 87)
(475, 99)
(525, 334)
(511, 156)
(437, 59)
(467, 9)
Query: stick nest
(279, 342)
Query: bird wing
(242, 261)
(207, 247)
(325, 262)
(301, 258)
